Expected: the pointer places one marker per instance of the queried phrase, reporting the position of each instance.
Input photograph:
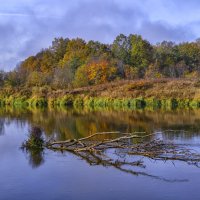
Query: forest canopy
(70, 63)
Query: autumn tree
(45, 61)
(69, 62)
(30, 64)
(75, 55)
(96, 72)
(13, 78)
(36, 79)
(81, 77)
(101, 72)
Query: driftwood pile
(125, 151)
(97, 152)
(155, 149)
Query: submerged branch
(155, 149)
(120, 151)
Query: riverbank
(161, 93)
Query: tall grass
(101, 102)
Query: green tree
(166, 56)
(190, 54)
(58, 48)
(97, 49)
(2, 78)
(141, 52)
(121, 48)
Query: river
(63, 175)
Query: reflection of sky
(28, 26)
(64, 176)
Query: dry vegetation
(146, 88)
(163, 92)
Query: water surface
(55, 175)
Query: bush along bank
(101, 102)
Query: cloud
(159, 31)
(28, 26)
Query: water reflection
(65, 124)
(130, 165)
(35, 157)
(2, 121)
(74, 179)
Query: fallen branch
(154, 149)
(96, 151)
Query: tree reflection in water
(63, 124)
(2, 121)
(71, 123)
(35, 157)
(132, 167)
(34, 147)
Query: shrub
(67, 100)
(35, 140)
(37, 102)
(78, 101)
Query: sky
(27, 26)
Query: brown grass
(146, 88)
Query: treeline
(70, 63)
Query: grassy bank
(162, 93)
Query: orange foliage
(100, 71)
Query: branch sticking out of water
(154, 149)
(117, 151)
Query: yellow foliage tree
(96, 72)
(100, 72)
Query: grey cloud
(159, 31)
(27, 27)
